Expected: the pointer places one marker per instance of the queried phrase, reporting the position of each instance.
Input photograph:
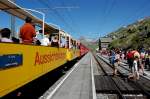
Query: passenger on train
(39, 37)
(15, 40)
(5, 35)
(54, 42)
(45, 41)
(62, 42)
(27, 32)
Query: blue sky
(88, 18)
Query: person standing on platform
(117, 62)
(122, 56)
(112, 57)
(130, 60)
(147, 59)
(27, 32)
(142, 60)
(135, 74)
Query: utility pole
(99, 42)
(13, 23)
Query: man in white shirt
(5, 35)
(39, 35)
(45, 41)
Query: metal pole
(69, 41)
(59, 38)
(39, 13)
(13, 23)
(43, 24)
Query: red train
(83, 49)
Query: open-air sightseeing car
(22, 63)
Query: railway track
(123, 87)
(142, 83)
(108, 71)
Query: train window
(11, 22)
(4, 19)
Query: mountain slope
(136, 35)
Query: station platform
(125, 65)
(127, 87)
(86, 80)
(77, 84)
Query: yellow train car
(21, 64)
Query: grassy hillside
(136, 35)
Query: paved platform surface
(79, 84)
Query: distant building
(104, 42)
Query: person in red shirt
(130, 60)
(27, 32)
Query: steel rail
(116, 86)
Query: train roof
(14, 9)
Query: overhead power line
(107, 12)
(71, 19)
(48, 4)
(137, 12)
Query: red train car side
(83, 49)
